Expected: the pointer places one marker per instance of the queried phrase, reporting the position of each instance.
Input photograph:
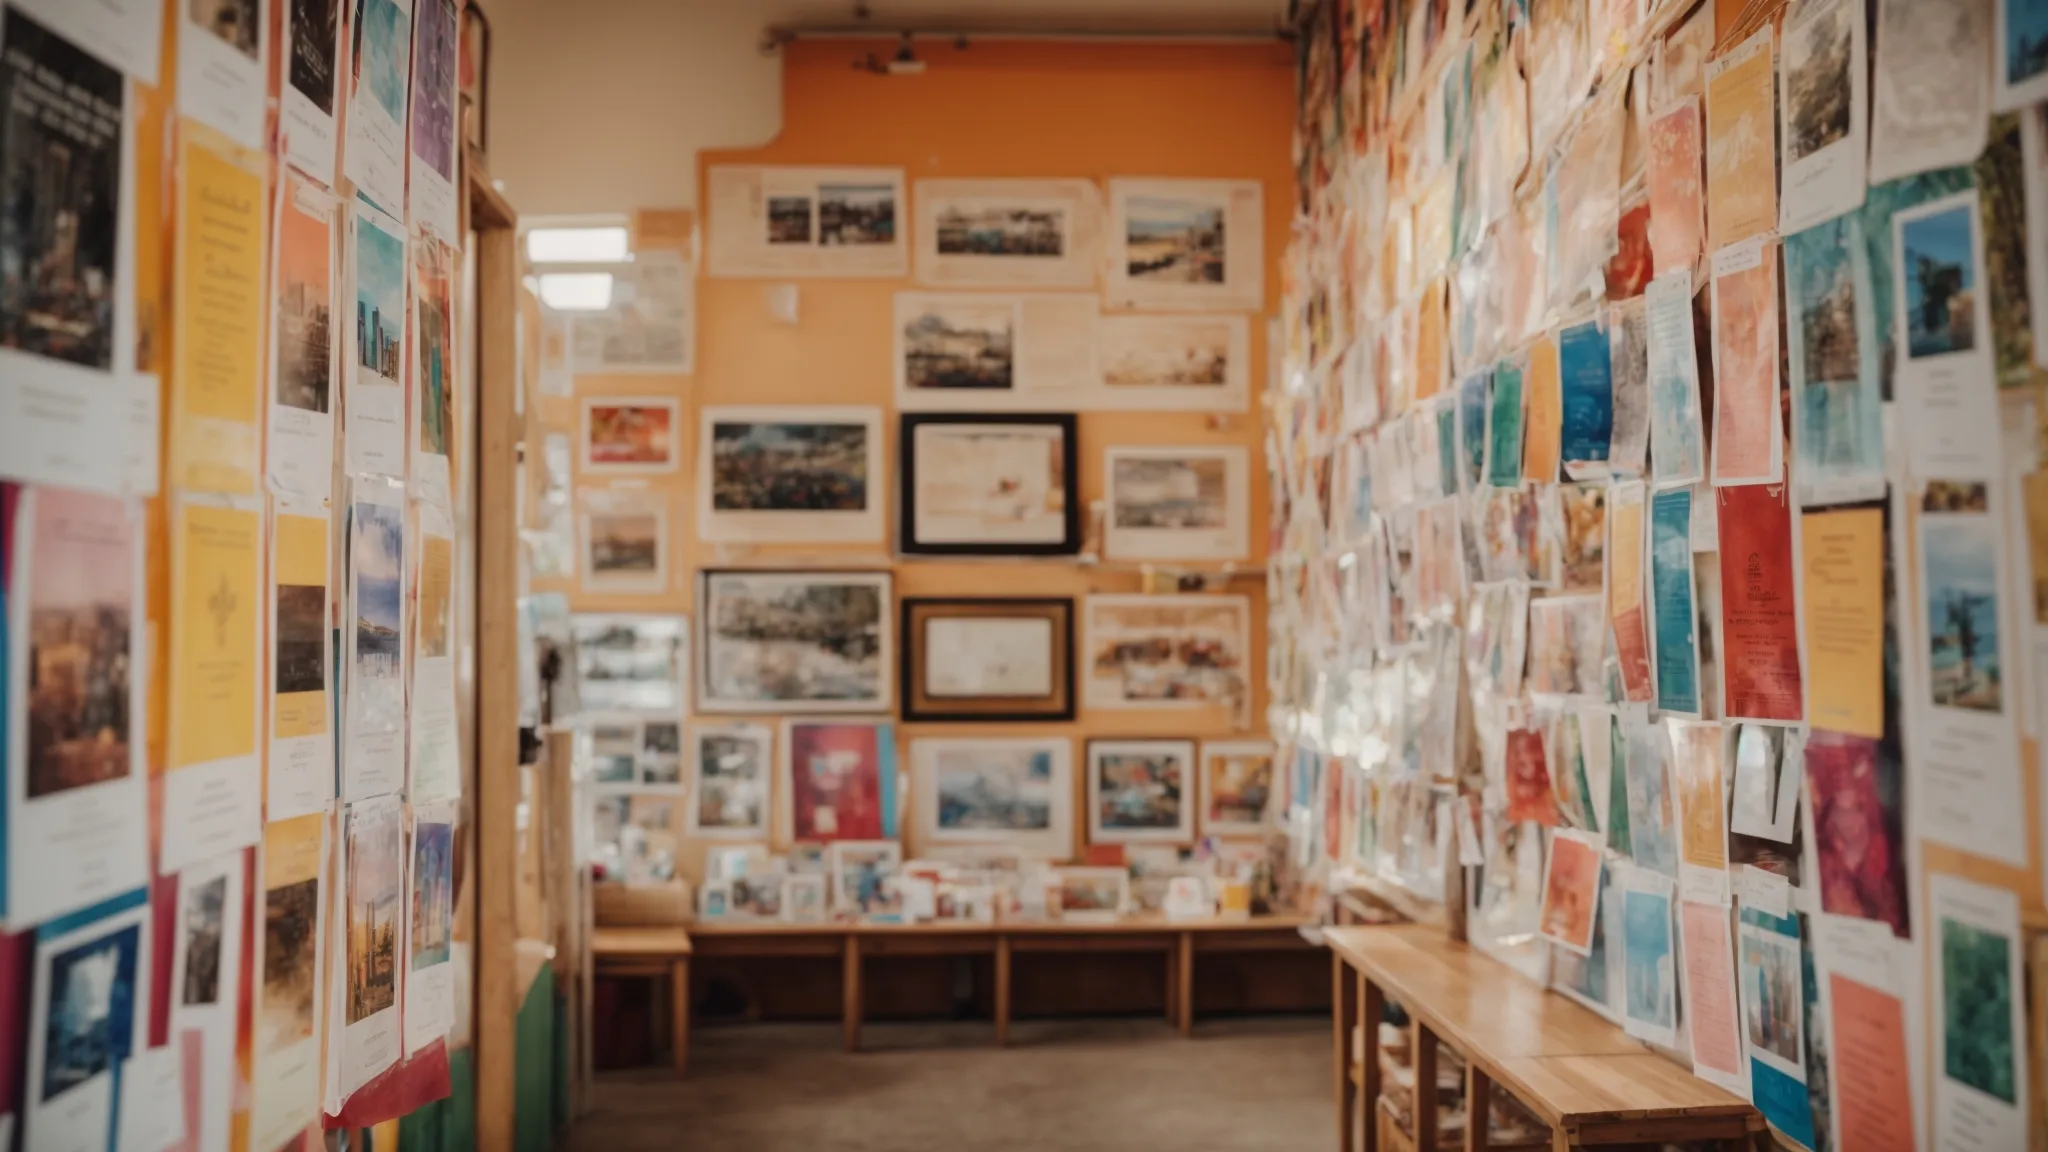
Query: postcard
(87, 1018)
(1652, 826)
(430, 182)
(366, 1039)
(1008, 233)
(1712, 1015)
(1868, 1036)
(1625, 608)
(375, 430)
(1821, 113)
(292, 923)
(841, 778)
(308, 98)
(1748, 437)
(299, 776)
(373, 156)
(430, 975)
(1677, 195)
(1842, 556)
(433, 759)
(1628, 342)
(818, 641)
(1586, 384)
(804, 474)
(1769, 773)
(1678, 444)
(729, 768)
(1141, 791)
(61, 383)
(1931, 94)
(2020, 62)
(1943, 333)
(435, 421)
(1544, 422)
(1469, 429)
(215, 397)
(1168, 651)
(301, 420)
(1180, 503)
(1504, 419)
(1013, 792)
(1239, 788)
(624, 540)
(374, 667)
(213, 786)
(1697, 774)
(206, 955)
(1571, 890)
(1832, 351)
(1759, 621)
(1575, 525)
(1981, 1078)
(1771, 976)
(1671, 586)
(76, 786)
(648, 329)
(223, 58)
(631, 434)
(1742, 181)
(1650, 960)
(1963, 730)
(1856, 791)
(835, 222)
(1185, 244)
(1566, 638)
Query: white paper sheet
(1946, 396)
(152, 1101)
(1981, 1083)
(375, 82)
(433, 151)
(127, 34)
(1184, 364)
(430, 977)
(837, 222)
(311, 92)
(1821, 119)
(94, 964)
(223, 63)
(375, 640)
(378, 267)
(1932, 94)
(1008, 233)
(649, 327)
(206, 954)
(369, 946)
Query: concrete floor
(1062, 1086)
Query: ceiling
(1194, 17)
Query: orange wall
(1019, 109)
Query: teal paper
(1678, 667)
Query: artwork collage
(768, 717)
(1660, 533)
(227, 540)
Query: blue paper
(1472, 429)
(1671, 591)
(1586, 381)
(885, 771)
(1504, 428)
(1782, 1098)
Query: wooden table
(654, 952)
(1579, 1074)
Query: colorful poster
(300, 776)
(1543, 435)
(431, 175)
(1644, 764)
(216, 391)
(841, 779)
(1528, 776)
(306, 100)
(364, 1041)
(1698, 775)
(1821, 113)
(1842, 615)
(1571, 890)
(1759, 618)
(1625, 610)
(76, 829)
(1650, 965)
(1742, 179)
(87, 1019)
(300, 451)
(375, 434)
(374, 154)
(1678, 218)
(291, 924)
(1980, 1034)
(1678, 443)
(1770, 974)
(1586, 384)
(1964, 736)
(1857, 795)
(1671, 589)
(1748, 437)
(213, 789)
(1834, 358)
(430, 974)
(1628, 341)
(1712, 1015)
(1872, 1075)
(1504, 417)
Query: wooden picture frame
(970, 624)
(961, 529)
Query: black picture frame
(912, 612)
(907, 473)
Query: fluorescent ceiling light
(601, 245)
(576, 291)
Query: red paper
(835, 781)
(1529, 795)
(1759, 623)
(1873, 1088)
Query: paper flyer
(1671, 589)
(1980, 1059)
(300, 769)
(126, 34)
(373, 669)
(430, 977)
(308, 97)
(1650, 960)
(286, 1067)
(1822, 132)
(213, 786)
(206, 960)
(430, 185)
(87, 1016)
(1760, 631)
(1586, 381)
(1504, 418)
(76, 831)
(364, 1039)
(1741, 181)
(1773, 986)
(1942, 330)
(1697, 776)
(216, 395)
(1930, 91)
(1678, 220)
(375, 433)
(223, 62)
(1842, 614)
(1835, 362)
(436, 421)
(1748, 429)
(300, 449)
(374, 83)
(436, 768)
(1544, 421)
(1625, 608)
(1713, 1017)
(1678, 442)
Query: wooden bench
(1579, 1074)
(654, 952)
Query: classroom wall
(1009, 109)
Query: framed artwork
(787, 641)
(1008, 233)
(630, 663)
(1238, 793)
(1139, 791)
(789, 221)
(624, 538)
(988, 659)
(1179, 363)
(790, 474)
(729, 773)
(1177, 245)
(860, 871)
(636, 753)
(1169, 651)
(1012, 792)
(984, 352)
(632, 434)
(1177, 504)
(1093, 895)
(989, 484)
(840, 777)
(803, 897)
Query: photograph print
(1174, 239)
(305, 295)
(205, 909)
(1170, 651)
(661, 753)
(856, 214)
(80, 616)
(377, 556)
(2022, 54)
(632, 434)
(988, 484)
(236, 23)
(783, 641)
(383, 49)
(625, 540)
(1007, 233)
(789, 218)
(433, 105)
(729, 769)
(310, 63)
(988, 659)
(1959, 557)
(790, 474)
(630, 663)
(1185, 244)
(1177, 504)
(614, 751)
(434, 379)
(955, 343)
(1818, 58)
(1012, 792)
(433, 893)
(1139, 791)
(1979, 1046)
(380, 297)
(60, 172)
(90, 1001)
(1238, 788)
(375, 894)
(1937, 254)
(290, 949)
(1004, 228)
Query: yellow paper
(291, 851)
(1742, 174)
(436, 562)
(213, 637)
(1843, 556)
(217, 381)
(1429, 342)
(2035, 491)
(1542, 440)
(299, 652)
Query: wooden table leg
(1372, 1004)
(1343, 1007)
(1425, 1086)
(1186, 983)
(679, 1004)
(1478, 1109)
(1172, 981)
(1002, 990)
(850, 1010)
